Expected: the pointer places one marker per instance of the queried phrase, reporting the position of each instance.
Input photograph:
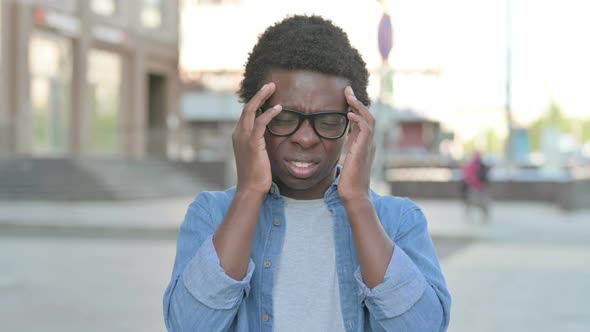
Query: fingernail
(263, 87)
(352, 94)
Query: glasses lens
(330, 125)
(284, 123)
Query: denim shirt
(201, 297)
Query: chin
(299, 184)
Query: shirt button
(277, 222)
(272, 190)
(265, 318)
(267, 263)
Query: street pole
(382, 116)
(384, 122)
(509, 155)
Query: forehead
(308, 91)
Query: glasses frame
(311, 116)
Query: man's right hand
(253, 165)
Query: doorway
(157, 133)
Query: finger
(358, 107)
(264, 119)
(364, 140)
(360, 122)
(249, 112)
(354, 128)
(363, 134)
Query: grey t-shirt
(306, 296)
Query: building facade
(96, 78)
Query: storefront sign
(109, 35)
(65, 23)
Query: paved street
(515, 287)
(528, 269)
(72, 284)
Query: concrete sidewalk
(509, 221)
(515, 222)
(161, 215)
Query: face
(303, 164)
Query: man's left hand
(356, 172)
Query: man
(475, 188)
(301, 243)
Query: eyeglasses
(328, 125)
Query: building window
(1, 39)
(4, 136)
(150, 12)
(50, 92)
(104, 90)
(104, 7)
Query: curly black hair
(308, 43)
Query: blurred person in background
(302, 243)
(475, 189)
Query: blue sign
(385, 36)
(521, 144)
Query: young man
(301, 243)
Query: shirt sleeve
(413, 295)
(201, 296)
(206, 280)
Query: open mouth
(301, 169)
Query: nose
(305, 136)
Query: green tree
(555, 118)
(586, 131)
(494, 143)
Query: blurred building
(416, 142)
(96, 78)
(418, 133)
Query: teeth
(301, 164)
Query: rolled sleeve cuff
(401, 288)
(206, 280)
